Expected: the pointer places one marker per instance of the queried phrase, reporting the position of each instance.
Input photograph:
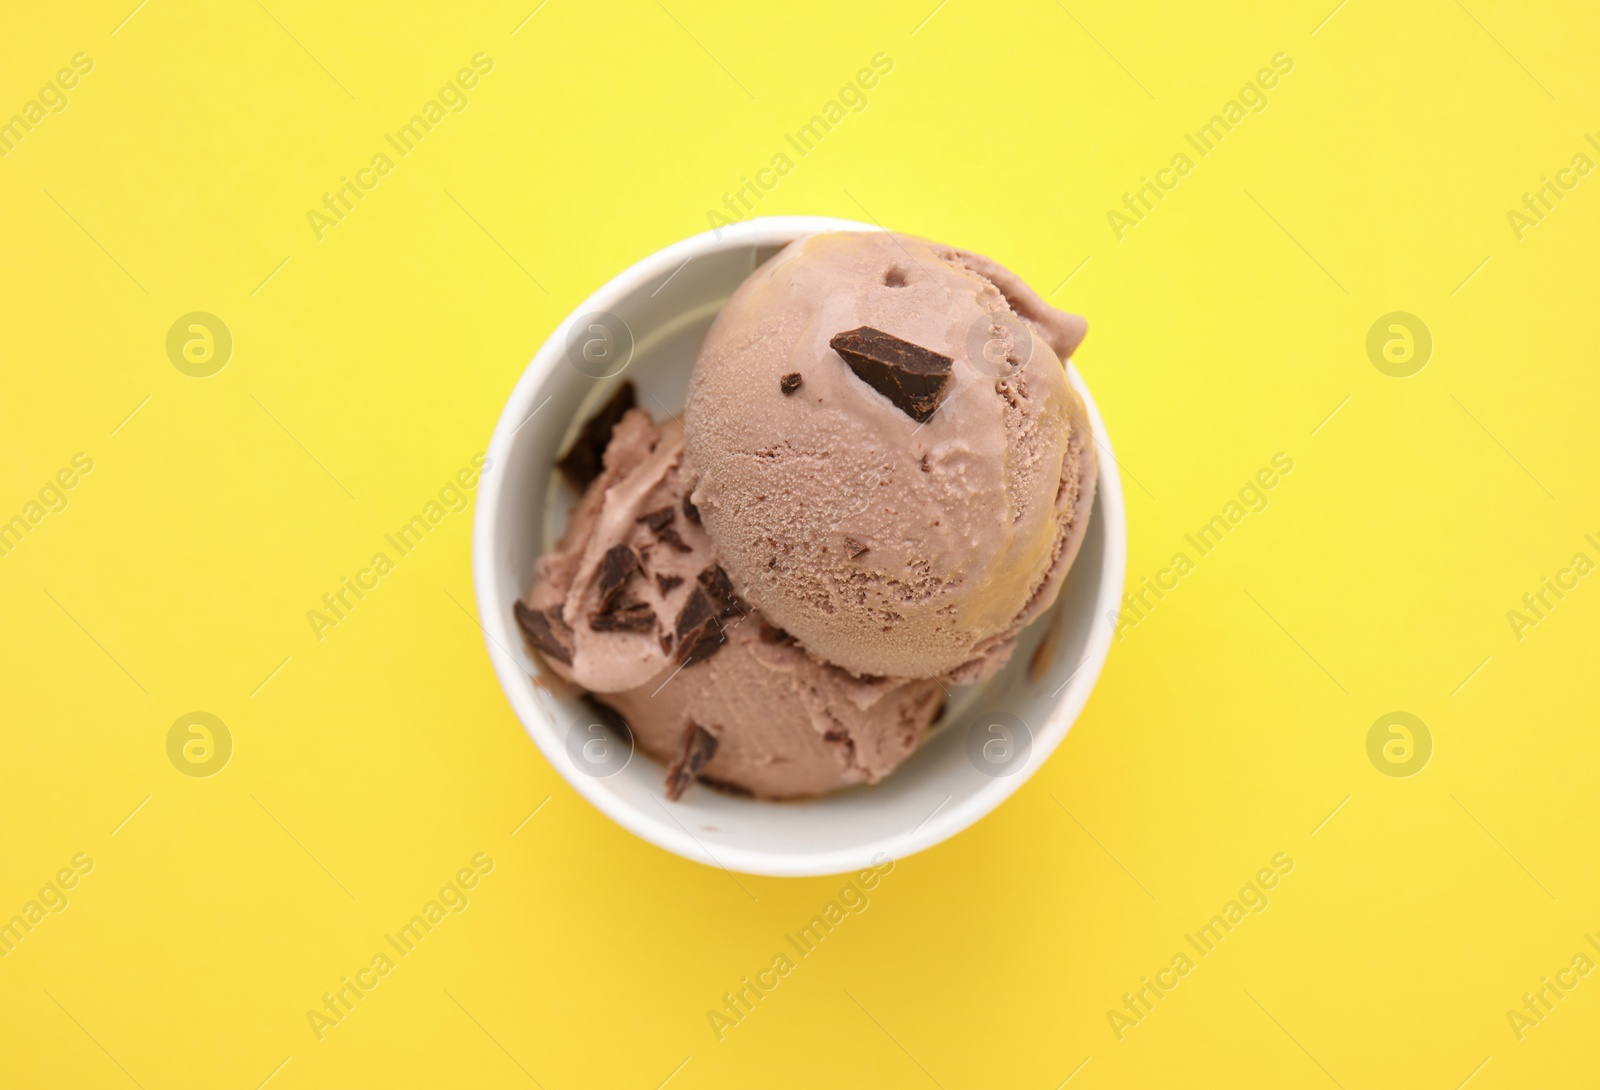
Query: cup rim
(493, 598)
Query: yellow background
(376, 762)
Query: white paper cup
(992, 737)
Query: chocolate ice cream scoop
(892, 463)
(633, 607)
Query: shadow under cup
(646, 326)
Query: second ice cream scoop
(892, 463)
(732, 700)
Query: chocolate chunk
(913, 377)
(619, 611)
(694, 753)
(698, 631)
(790, 383)
(715, 582)
(545, 630)
(690, 511)
(581, 464)
(616, 566)
(667, 535)
(659, 519)
(854, 547)
(665, 583)
(627, 615)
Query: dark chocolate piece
(667, 535)
(665, 583)
(627, 615)
(581, 464)
(545, 630)
(913, 377)
(714, 581)
(694, 753)
(690, 511)
(854, 547)
(616, 566)
(790, 383)
(698, 631)
(658, 519)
